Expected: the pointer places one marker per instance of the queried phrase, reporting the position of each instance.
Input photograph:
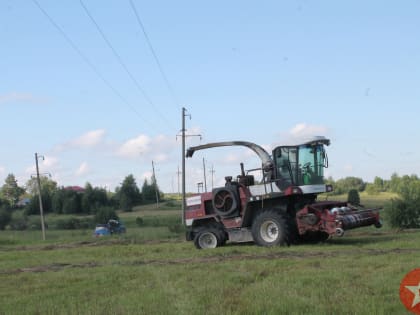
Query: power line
(149, 43)
(122, 63)
(88, 62)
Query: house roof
(75, 188)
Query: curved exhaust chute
(266, 160)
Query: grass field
(152, 270)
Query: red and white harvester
(280, 209)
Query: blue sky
(269, 72)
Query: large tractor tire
(222, 237)
(270, 229)
(207, 238)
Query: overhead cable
(88, 62)
(123, 65)
(149, 43)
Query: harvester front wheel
(270, 229)
(206, 239)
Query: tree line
(73, 200)
(402, 211)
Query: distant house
(23, 202)
(77, 189)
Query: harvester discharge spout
(266, 160)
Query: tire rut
(54, 267)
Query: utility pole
(183, 160)
(212, 175)
(178, 173)
(205, 180)
(39, 195)
(183, 164)
(155, 184)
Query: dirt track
(215, 259)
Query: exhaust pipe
(339, 232)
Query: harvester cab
(280, 208)
(302, 164)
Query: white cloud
(146, 175)
(134, 147)
(2, 170)
(89, 139)
(19, 97)
(161, 157)
(232, 158)
(50, 161)
(303, 130)
(300, 133)
(158, 148)
(49, 164)
(83, 169)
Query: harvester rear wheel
(270, 229)
(207, 238)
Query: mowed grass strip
(358, 274)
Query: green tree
(128, 194)
(353, 197)
(148, 191)
(33, 206)
(46, 183)
(372, 189)
(48, 189)
(104, 214)
(394, 182)
(344, 185)
(404, 212)
(94, 198)
(11, 190)
(378, 183)
(5, 215)
(57, 200)
(72, 201)
(88, 198)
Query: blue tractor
(112, 227)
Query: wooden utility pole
(183, 164)
(178, 173)
(183, 160)
(212, 175)
(205, 179)
(41, 209)
(155, 184)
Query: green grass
(371, 201)
(357, 274)
(151, 270)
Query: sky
(97, 88)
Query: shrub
(104, 214)
(74, 223)
(156, 221)
(353, 197)
(34, 223)
(18, 224)
(177, 228)
(403, 214)
(173, 204)
(139, 221)
(19, 221)
(5, 217)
